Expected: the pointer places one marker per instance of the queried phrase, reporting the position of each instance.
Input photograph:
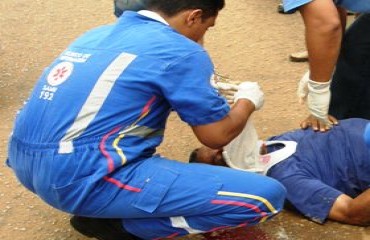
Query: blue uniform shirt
(324, 166)
(115, 86)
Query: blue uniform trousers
(155, 197)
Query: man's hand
(252, 92)
(317, 96)
(227, 90)
(312, 121)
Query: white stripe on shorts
(180, 222)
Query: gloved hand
(252, 92)
(317, 95)
(227, 90)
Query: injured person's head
(246, 152)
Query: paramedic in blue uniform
(85, 141)
(327, 177)
(324, 21)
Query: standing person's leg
(160, 198)
(350, 87)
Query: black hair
(193, 157)
(123, 5)
(172, 7)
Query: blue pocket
(81, 197)
(155, 190)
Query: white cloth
(243, 153)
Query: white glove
(317, 95)
(252, 92)
(227, 90)
(318, 100)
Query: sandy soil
(251, 41)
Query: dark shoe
(102, 229)
(193, 158)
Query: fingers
(227, 90)
(227, 86)
(333, 120)
(229, 95)
(319, 124)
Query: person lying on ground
(327, 175)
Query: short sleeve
(185, 83)
(292, 4)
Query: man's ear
(194, 16)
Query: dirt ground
(251, 41)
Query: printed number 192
(45, 95)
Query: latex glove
(252, 92)
(318, 100)
(317, 95)
(227, 90)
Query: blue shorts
(293, 4)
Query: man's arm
(218, 134)
(247, 98)
(354, 211)
(323, 37)
(324, 29)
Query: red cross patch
(60, 73)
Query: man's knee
(276, 193)
(271, 196)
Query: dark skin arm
(323, 37)
(355, 211)
(324, 26)
(218, 134)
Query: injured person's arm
(354, 211)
